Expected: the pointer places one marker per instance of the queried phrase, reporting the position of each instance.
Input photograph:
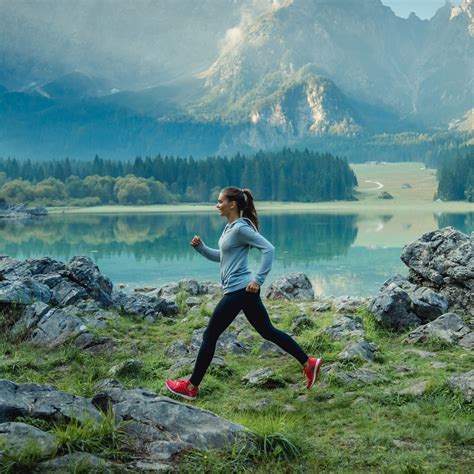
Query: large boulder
(393, 309)
(16, 438)
(161, 427)
(293, 287)
(42, 401)
(151, 308)
(444, 261)
(464, 383)
(448, 327)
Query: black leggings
(224, 313)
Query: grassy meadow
(334, 427)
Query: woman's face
(224, 206)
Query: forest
(286, 175)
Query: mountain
(422, 69)
(261, 74)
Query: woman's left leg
(257, 314)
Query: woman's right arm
(208, 252)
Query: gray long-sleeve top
(234, 244)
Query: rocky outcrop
(52, 297)
(443, 260)
(20, 211)
(158, 428)
(441, 279)
(293, 287)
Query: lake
(342, 253)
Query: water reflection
(341, 253)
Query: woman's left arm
(249, 236)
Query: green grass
(338, 428)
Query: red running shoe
(312, 371)
(180, 387)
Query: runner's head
(244, 201)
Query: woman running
(241, 289)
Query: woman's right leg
(224, 313)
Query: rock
(465, 383)
(438, 365)
(24, 291)
(360, 375)
(143, 305)
(418, 388)
(444, 261)
(293, 287)
(393, 309)
(192, 301)
(15, 438)
(192, 287)
(270, 347)
(321, 306)
(127, 367)
(105, 384)
(160, 427)
(177, 349)
(467, 341)
(57, 327)
(448, 327)
(359, 350)
(348, 304)
(263, 378)
(84, 272)
(301, 323)
(78, 462)
(42, 401)
(427, 304)
(345, 327)
(226, 343)
(385, 195)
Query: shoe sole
(179, 394)
(317, 366)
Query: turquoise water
(342, 254)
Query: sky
(424, 9)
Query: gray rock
(86, 273)
(463, 382)
(226, 343)
(449, 327)
(57, 327)
(420, 353)
(269, 347)
(345, 327)
(177, 349)
(467, 341)
(127, 367)
(264, 378)
(160, 426)
(78, 462)
(24, 291)
(427, 304)
(218, 365)
(293, 287)
(321, 306)
(348, 304)
(143, 305)
(16, 437)
(42, 401)
(392, 308)
(360, 375)
(444, 260)
(359, 350)
(192, 301)
(260, 404)
(301, 323)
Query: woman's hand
(196, 240)
(253, 287)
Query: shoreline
(276, 206)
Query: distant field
(372, 179)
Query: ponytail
(245, 202)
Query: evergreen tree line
(456, 177)
(287, 175)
